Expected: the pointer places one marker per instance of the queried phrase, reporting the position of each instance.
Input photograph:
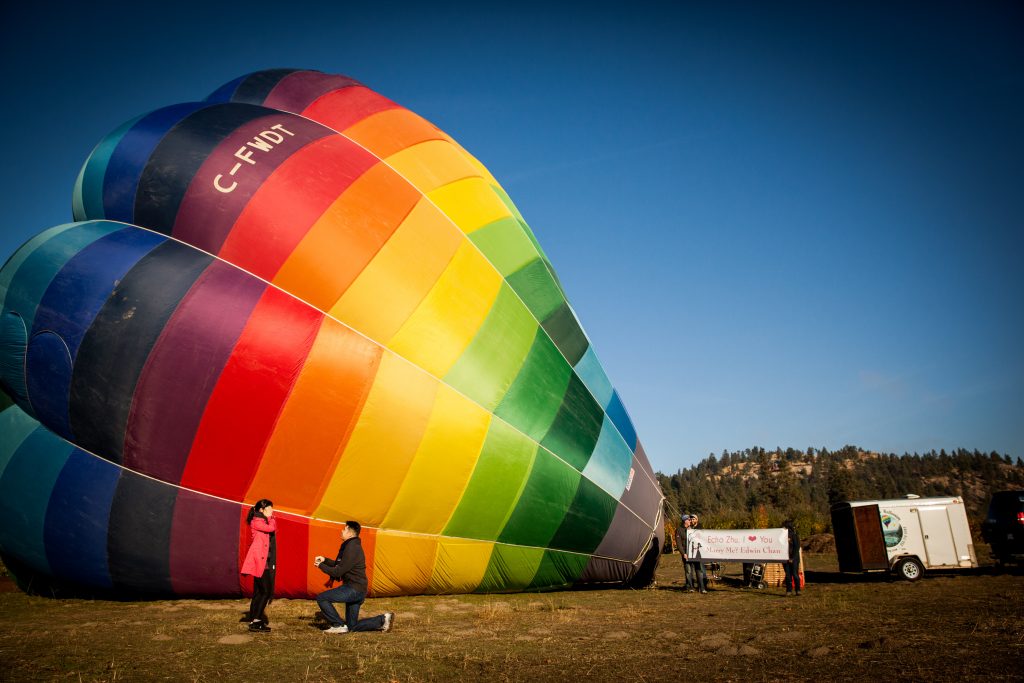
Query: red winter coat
(256, 559)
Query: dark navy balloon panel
(300, 290)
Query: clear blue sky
(781, 225)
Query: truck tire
(910, 569)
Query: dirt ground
(947, 626)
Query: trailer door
(938, 537)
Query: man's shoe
(388, 618)
(258, 626)
(337, 629)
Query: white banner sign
(738, 545)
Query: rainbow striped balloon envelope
(299, 290)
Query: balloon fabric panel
(610, 462)
(448, 318)
(87, 199)
(183, 368)
(576, 427)
(116, 345)
(543, 504)
(511, 568)
(72, 301)
(249, 395)
(293, 91)
(292, 200)
(29, 279)
(180, 154)
(505, 244)
(538, 290)
(320, 413)
(342, 108)
(442, 466)
(139, 538)
(394, 283)
(590, 371)
(329, 258)
(558, 569)
(383, 444)
(25, 486)
(203, 546)
(403, 563)
(535, 396)
(389, 132)
(430, 165)
(488, 366)
(470, 203)
(233, 179)
(495, 485)
(77, 519)
(459, 565)
(122, 171)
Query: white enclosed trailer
(904, 535)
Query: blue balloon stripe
(34, 274)
(78, 517)
(224, 92)
(121, 177)
(593, 375)
(15, 426)
(83, 285)
(25, 490)
(87, 201)
(617, 412)
(48, 369)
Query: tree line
(759, 488)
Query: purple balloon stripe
(297, 91)
(204, 545)
(234, 172)
(183, 368)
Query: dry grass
(945, 627)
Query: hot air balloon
(299, 290)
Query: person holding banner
(792, 567)
(681, 531)
(694, 558)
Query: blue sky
(786, 225)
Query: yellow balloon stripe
(445, 323)
(443, 464)
(402, 563)
(392, 286)
(383, 444)
(432, 164)
(460, 565)
(470, 203)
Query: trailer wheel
(909, 569)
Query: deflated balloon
(299, 290)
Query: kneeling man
(350, 568)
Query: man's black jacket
(350, 566)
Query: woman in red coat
(260, 562)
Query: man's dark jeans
(353, 600)
(792, 577)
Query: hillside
(757, 488)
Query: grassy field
(945, 627)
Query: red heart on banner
(751, 538)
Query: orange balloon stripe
(347, 237)
(390, 131)
(320, 413)
(290, 202)
(244, 406)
